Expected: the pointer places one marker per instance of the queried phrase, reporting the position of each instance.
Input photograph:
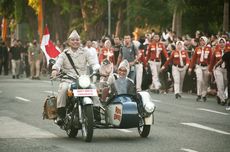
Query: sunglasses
(74, 39)
(123, 70)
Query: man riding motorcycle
(80, 58)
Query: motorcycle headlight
(84, 81)
(149, 107)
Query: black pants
(4, 65)
(228, 76)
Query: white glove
(96, 67)
(54, 73)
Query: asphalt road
(180, 125)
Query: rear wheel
(72, 132)
(143, 129)
(87, 124)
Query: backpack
(50, 108)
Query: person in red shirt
(107, 52)
(201, 60)
(220, 73)
(140, 63)
(154, 51)
(180, 60)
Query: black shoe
(37, 78)
(198, 99)
(218, 100)
(59, 121)
(228, 101)
(61, 116)
(177, 95)
(157, 91)
(13, 76)
(223, 103)
(204, 99)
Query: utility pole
(109, 17)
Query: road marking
(45, 81)
(124, 130)
(206, 128)
(156, 100)
(51, 92)
(213, 111)
(22, 99)
(11, 128)
(188, 150)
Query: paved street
(182, 125)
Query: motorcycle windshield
(123, 86)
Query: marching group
(203, 62)
(155, 60)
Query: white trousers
(139, 75)
(220, 75)
(62, 94)
(35, 68)
(15, 67)
(178, 77)
(155, 68)
(202, 77)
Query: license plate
(85, 92)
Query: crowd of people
(160, 62)
(20, 59)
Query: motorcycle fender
(87, 101)
(149, 120)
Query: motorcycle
(79, 107)
(119, 111)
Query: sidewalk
(9, 76)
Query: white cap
(124, 64)
(205, 39)
(182, 43)
(223, 39)
(74, 35)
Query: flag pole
(40, 19)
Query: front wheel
(143, 129)
(87, 123)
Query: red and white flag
(49, 49)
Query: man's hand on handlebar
(54, 74)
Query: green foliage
(19, 12)
(64, 15)
(66, 5)
(7, 8)
(204, 15)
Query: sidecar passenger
(119, 82)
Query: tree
(6, 10)
(178, 7)
(226, 16)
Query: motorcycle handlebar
(62, 74)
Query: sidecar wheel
(72, 132)
(144, 130)
(87, 125)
